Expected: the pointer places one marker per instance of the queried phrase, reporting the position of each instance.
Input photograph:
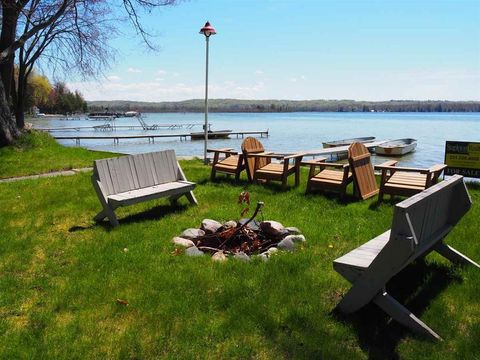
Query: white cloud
(161, 72)
(113, 78)
(259, 72)
(159, 91)
(134, 70)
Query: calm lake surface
(291, 131)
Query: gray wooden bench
(132, 179)
(419, 226)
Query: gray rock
(219, 256)
(183, 242)
(193, 251)
(263, 257)
(192, 234)
(210, 226)
(286, 244)
(296, 238)
(272, 228)
(292, 230)
(242, 256)
(230, 224)
(272, 251)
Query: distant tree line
(234, 105)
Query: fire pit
(241, 239)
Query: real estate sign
(462, 158)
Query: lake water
(291, 132)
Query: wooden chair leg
(401, 314)
(284, 182)
(453, 255)
(213, 173)
(380, 195)
(191, 198)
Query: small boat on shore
(397, 147)
(344, 142)
(218, 134)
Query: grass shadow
(392, 201)
(155, 213)
(378, 334)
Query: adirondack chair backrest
(250, 146)
(360, 162)
(420, 222)
(136, 171)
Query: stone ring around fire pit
(240, 240)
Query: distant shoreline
(285, 106)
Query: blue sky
(324, 49)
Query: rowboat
(344, 142)
(219, 134)
(397, 147)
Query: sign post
(462, 158)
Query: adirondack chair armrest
(334, 165)
(223, 151)
(437, 168)
(313, 162)
(404, 169)
(268, 154)
(387, 163)
(294, 156)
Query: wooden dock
(112, 127)
(151, 137)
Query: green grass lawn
(60, 276)
(37, 152)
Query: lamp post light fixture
(208, 30)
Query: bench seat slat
(152, 192)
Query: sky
(300, 50)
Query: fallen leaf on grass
(122, 302)
(177, 252)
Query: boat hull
(220, 134)
(396, 148)
(345, 142)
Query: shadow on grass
(348, 198)
(392, 201)
(155, 213)
(378, 334)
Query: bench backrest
(421, 221)
(360, 162)
(133, 172)
(250, 146)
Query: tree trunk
(20, 98)
(8, 128)
(7, 37)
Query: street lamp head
(208, 30)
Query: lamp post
(207, 30)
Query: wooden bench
(132, 179)
(419, 226)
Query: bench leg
(454, 255)
(191, 198)
(213, 173)
(107, 212)
(401, 314)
